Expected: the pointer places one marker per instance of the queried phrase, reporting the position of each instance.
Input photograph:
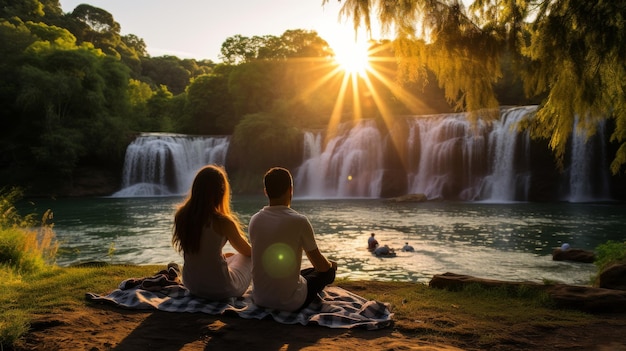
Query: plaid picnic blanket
(336, 307)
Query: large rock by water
(613, 277)
(576, 255)
(583, 298)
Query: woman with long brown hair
(202, 226)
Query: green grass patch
(484, 316)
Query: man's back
(278, 236)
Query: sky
(197, 28)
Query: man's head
(278, 182)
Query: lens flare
(279, 260)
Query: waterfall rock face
(441, 156)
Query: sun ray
(362, 77)
(335, 118)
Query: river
(505, 241)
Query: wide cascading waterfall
(350, 164)
(440, 156)
(165, 164)
(447, 157)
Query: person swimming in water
(372, 243)
(384, 250)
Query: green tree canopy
(165, 70)
(24, 9)
(210, 106)
(296, 43)
(64, 102)
(270, 138)
(96, 26)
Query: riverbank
(425, 318)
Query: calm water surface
(500, 241)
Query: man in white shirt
(278, 235)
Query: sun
(352, 56)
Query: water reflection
(500, 241)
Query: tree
(209, 106)
(299, 43)
(136, 44)
(139, 93)
(296, 43)
(572, 52)
(270, 138)
(254, 86)
(23, 9)
(159, 110)
(239, 49)
(74, 101)
(167, 71)
(576, 55)
(98, 27)
(66, 104)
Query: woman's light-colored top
(207, 273)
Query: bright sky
(197, 28)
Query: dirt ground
(103, 327)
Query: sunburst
(353, 57)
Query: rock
(613, 277)
(394, 183)
(582, 298)
(588, 299)
(453, 281)
(576, 255)
(409, 198)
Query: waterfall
(445, 156)
(506, 181)
(456, 160)
(588, 162)
(350, 165)
(442, 156)
(165, 164)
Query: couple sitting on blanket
(271, 260)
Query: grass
(484, 316)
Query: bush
(24, 247)
(609, 253)
(13, 324)
(9, 217)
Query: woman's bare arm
(235, 236)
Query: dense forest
(75, 92)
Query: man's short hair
(277, 181)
